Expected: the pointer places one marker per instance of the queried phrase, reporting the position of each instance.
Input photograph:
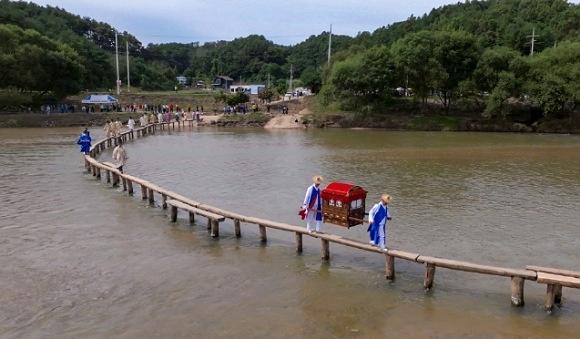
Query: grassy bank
(406, 115)
(258, 119)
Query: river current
(80, 259)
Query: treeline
(473, 56)
(475, 52)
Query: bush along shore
(418, 117)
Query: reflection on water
(78, 259)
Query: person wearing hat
(378, 217)
(312, 207)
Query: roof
(225, 77)
(99, 99)
(342, 189)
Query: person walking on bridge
(378, 217)
(312, 206)
(85, 141)
(120, 155)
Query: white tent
(100, 99)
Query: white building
(248, 89)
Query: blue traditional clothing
(378, 218)
(85, 142)
(313, 207)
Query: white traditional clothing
(131, 124)
(107, 129)
(143, 121)
(313, 208)
(160, 117)
(120, 156)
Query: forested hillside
(474, 52)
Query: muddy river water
(79, 259)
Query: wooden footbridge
(554, 279)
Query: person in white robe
(312, 206)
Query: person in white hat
(378, 218)
(312, 207)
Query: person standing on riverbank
(85, 141)
(378, 218)
(312, 206)
(120, 155)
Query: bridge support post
(215, 229)
(151, 197)
(143, 192)
(325, 250)
(429, 276)
(518, 291)
(163, 201)
(173, 213)
(558, 296)
(263, 237)
(298, 236)
(551, 291)
(191, 217)
(130, 187)
(389, 267)
(237, 228)
(108, 175)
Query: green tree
(34, 63)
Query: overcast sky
(284, 22)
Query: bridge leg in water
(108, 175)
(429, 276)
(518, 291)
(389, 267)
(191, 218)
(215, 228)
(124, 184)
(263, 237)
(325, 250)
(98, 173)
(151, 197)
(173, 213)
(115, 180)
(558, 296)
(130, 187)
(143, 192)
(163, 201)
(553, 293)
(237, 228)
(298, 242)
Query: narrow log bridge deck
(553, 278)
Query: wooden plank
(557, 271)
(477, 268)
(195, 210)
(554, 279)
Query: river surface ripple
(79, 259)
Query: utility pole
(117, 63)
(291, 77)
(128, 76)
(533, 42)
(329, 43)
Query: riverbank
(309, 114)
(412, 117)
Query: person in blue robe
(378, 218)
(85, 141)
(312, 206)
